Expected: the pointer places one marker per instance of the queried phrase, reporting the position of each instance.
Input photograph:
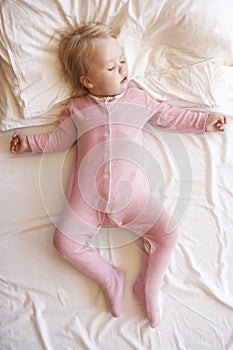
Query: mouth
(124, 80)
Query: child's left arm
(215, 122)
(183, 120)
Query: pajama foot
(149, 303)
(114, 291)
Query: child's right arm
(19, 143)
(60, 139)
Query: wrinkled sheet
(182, 54)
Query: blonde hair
(75, 52)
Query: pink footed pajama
(108, 188)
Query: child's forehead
(108, 45)
(107, 51)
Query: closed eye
(111, 69)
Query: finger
(15, 134)
(14, 145)
(17, 137)
(220, 126)
(223, 119)
(16, 149)
(15, 142)
(13, 149)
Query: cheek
(109, 81)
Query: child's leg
(159, 247)
(89, 261)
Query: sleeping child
(104, 118)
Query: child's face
(108, 72)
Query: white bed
(180, 52)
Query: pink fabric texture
(108, 187)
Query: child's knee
(66, 246)
(60, 242)
(162, 241)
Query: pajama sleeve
(61, 139)
(172, 118)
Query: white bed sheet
(44, 302)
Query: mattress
(182, 54)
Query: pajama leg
(160, 246)
(87, 260)
(151, 224)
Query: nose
(121, 68)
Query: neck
(106, 96)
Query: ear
(86, 82)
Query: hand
(19, 143)
(215, 122)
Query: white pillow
(30, 62)
(31, 86)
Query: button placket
(107, 156)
